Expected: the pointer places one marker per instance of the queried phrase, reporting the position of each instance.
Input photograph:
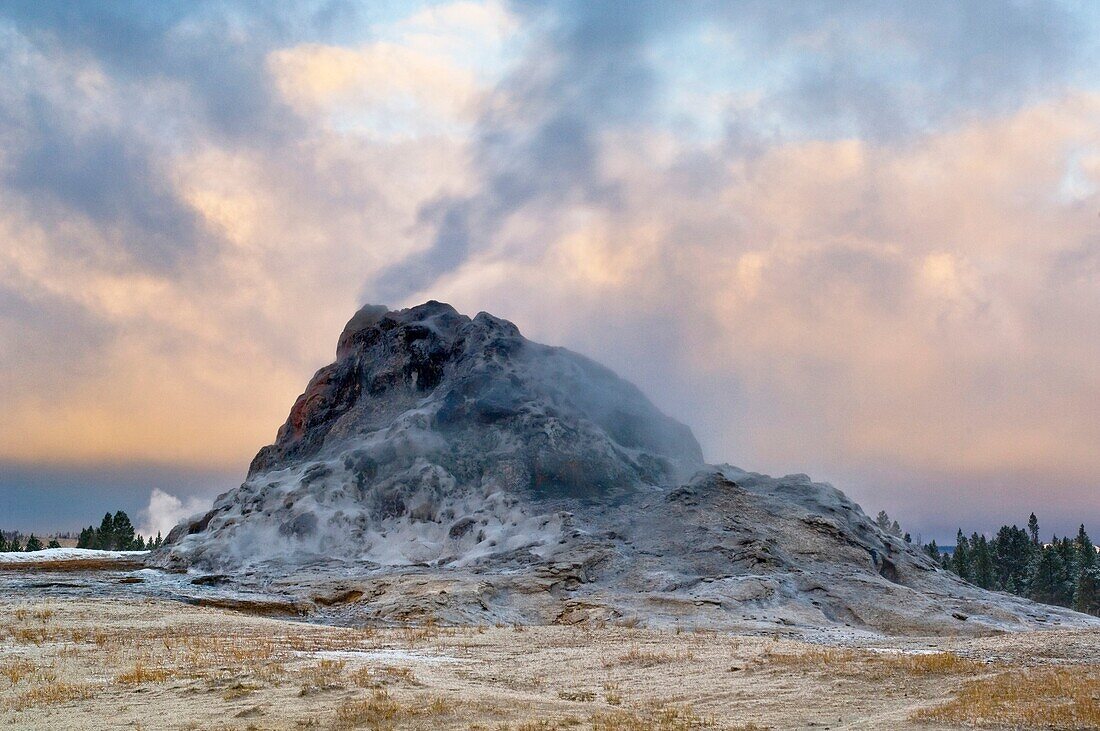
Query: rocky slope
(447, 467)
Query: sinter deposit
(446, 467)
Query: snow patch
(66, 554)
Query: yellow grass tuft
(658, 717)
(52, 693)
(17, 669)
(421, 632)
(325, 675)
(1052, 698)
(639, 658)
(382, 711)
(936, 663)
(142, 673)
(577, 696)
(850, 662)
(29, 635)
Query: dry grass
(30, 635)
(636, 657)
(16, 670)
(577, 696)
(239, 690)
(380, 677)
(382, 711)
(142, 673)
(68, 655)
(51, 694)
(73, 565)
(545, 725)
(365, 678)
(396, 674)
(935, 663)
(664, 718)
(1053, 698)
(325, 675)
(377, 710)
(415, 634)
(874, 664)
(813, 659)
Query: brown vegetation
(381, 711)
(1053, 698)
(207, 668)
(142, 673)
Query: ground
(161, 664)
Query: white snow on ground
(66, 554)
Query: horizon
(851, 241)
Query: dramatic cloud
(853, 239)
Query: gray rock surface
(447, 467)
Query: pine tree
(3, 543)
(1012, 551)
(1033, 529)
(159, 541)
(53, 543)
(105, 536)
(86, 538)
(1067, 549)
(1087, 595)
(933, 550)
(982, 562)
(33, 544)
(13, 544)
(961, 559)
(123, 531)
(139, 544)
(1047, 583)
(882, 520)
(1086, 552)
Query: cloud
(212, 53)
(853, 303)
(380, 88)
(845, 238)
(157, 257)
(165, 511)
(882, 73)
(886, 72)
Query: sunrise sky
(859, 240)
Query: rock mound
(448, 467)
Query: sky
(857, 240)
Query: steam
(166, 510)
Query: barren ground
(69, 663)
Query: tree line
(115, 533)
(1064, 572)
(13, 542)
